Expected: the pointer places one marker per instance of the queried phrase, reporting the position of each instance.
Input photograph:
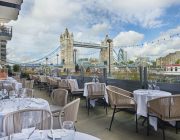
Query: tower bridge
(67, 50)
(88, 45)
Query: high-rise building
(9, 10)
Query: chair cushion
(55, 108)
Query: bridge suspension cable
(37, 60)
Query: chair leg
(136, 124)
(88, 105)
(112, 118)
(147, 124)
(105, 105)
(176, 127)
(163, 130)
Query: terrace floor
(123, 127)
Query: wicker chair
(165, 109)
(29, 84)
(64, 84)
(42, 80)
(14, 122)
(53, 84)
(75, 91)
(59, 100)
(95, 91)
(69, 112)
(119, 100)
(29, 93)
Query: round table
(11, 105)
(141, 97)
(44, 134)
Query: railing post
(105, 75)
(145, 78)
(141, 76)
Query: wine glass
(69, 125)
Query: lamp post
(75, 50)
(46, 65)
(57, 58)
(109, 41)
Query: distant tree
(178, 61)
(130, 62)
(63, 62)
(16, 68)
(88, 69)
(76, 68)
(9, 70)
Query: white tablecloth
(141, 96)
(11, 105)
(44, 136)
(10, 81)
(74, 83)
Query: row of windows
(171, 69)
(11, 5)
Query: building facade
(9, 10)
(169, 59)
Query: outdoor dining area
(50, 107)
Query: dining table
(58, 134)
(15, 104)
(142, 96)
(11, 82)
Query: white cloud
(127, 38)
(37, 30)
(159, 48)
(144, 12)
(100, 29)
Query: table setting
(142, 96)
(66, 133)
(15, 104)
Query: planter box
(3, 74)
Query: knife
(52, 134)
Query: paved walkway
(123, 127)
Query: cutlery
(52, 134)
(31, 133)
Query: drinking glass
(69, 125)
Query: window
(175, 68)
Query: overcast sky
(127, 22)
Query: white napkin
(34, 136)
(18, 136)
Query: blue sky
(127, 22)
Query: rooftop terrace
(123, 127)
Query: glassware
(69, 125)
(97, 80)
(94, 79)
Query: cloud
(37, 30)
(161, 46)
(127, 38)
(146, 13)
(100, 28)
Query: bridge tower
(66, 41)
(104, 53)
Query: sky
(143, 28)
